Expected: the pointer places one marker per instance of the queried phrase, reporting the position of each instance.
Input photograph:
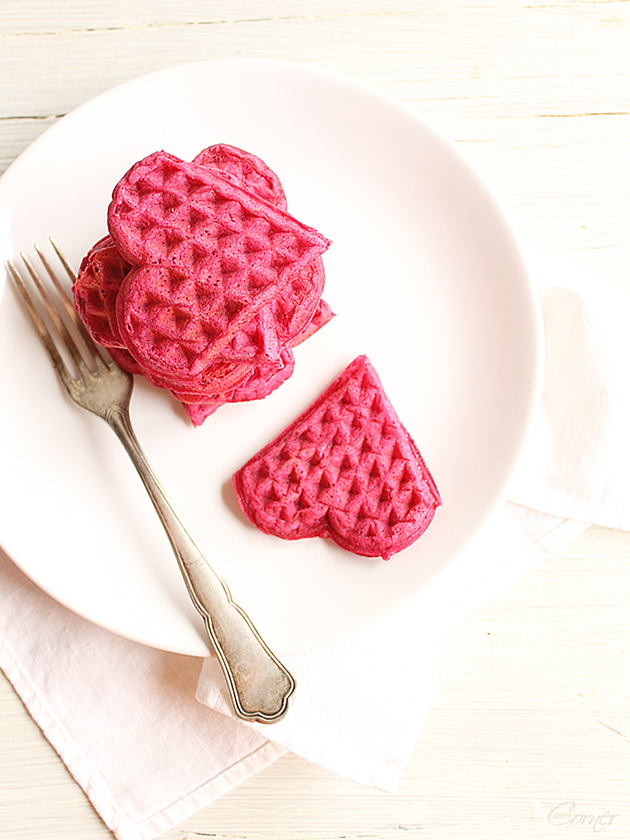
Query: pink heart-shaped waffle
(206, 255)
(104, 268)
(258, 358)
(347, 469)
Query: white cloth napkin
(151, 740)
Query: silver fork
(259, 685)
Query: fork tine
(44, 333)
(60, 289)
(54, 315)
(63, 260)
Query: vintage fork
(259, 685)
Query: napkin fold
(150, 736)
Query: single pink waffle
(207, 256)
(346, 469)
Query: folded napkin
(576, 464)
(150, 736)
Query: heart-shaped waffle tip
(346, 469)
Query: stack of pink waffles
(205, 283)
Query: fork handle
(259, 685)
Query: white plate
(426, 277)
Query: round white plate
(425, 275)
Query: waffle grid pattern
(206, 283)
(347, 469)
(197, 284)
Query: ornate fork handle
(259, 684)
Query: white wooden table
(532, 707)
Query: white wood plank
(444, 56)
(21, 16)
